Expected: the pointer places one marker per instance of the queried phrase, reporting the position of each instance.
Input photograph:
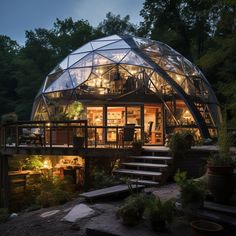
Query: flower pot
(221, 182)
(206, 228)
(221, 187)
(220, 170)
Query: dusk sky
(16, 16)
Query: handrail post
(44, 134)
(86, 134)
(95, 133)
(17, 136)
(50, 136)
(117, 137)
(68, 136)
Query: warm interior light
(46, 164)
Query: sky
(17, 16)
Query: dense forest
(203, 31)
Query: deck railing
(66, 134)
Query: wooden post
(86, 173)
(4, 183)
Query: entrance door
(153, 125)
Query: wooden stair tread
(138, 172)
(144, 182)
(138, 164)
(151, 157)
(109, 191)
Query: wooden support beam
(4, 182)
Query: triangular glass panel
(179, 79)
(61, 66)
(168, 65)
(177, 62)
(189, 68)
(154, 56)
(100, 43)
(154, 48)
(117, 45)
(79, 75)
(142, 43)
(112, 37)
(134, 59)
(73, 58)
(40, 111)
(86, 48)
(87, 61)
(51, 78)
(99, 60)
(62, 83)
(166, 50)
(100, 70)
(115, 55)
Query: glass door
(153, 125)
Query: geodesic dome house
(123, 80)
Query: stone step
(152, 158)
(138, 164)
(227, 209)
(144, 182)
(138, 172)
(110, 191)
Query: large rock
(78, 212)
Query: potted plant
(132, 211)
(180, 143)
(221, 167)
(160, 213)
(192, 192)
(137, 147)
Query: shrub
(179, 144)
(160, 213)
(9, 118)
(132, 210)
(101, 179)
(192, 192)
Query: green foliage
(9, 118)
(3, 214)
(52, 193)
(192, 192)
(178, 144)
(76, 110)
(114, 24)
(137, 144)
(160, 213)
(34, 162)
(223, 158)
(102, 179)
(132, 210)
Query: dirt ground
(32, 224)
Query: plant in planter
(160, 213)
(132, 210)
(192, 192)
(179, 144)
(137, 147)
(221, 167)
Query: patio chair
(128, 134)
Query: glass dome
(114, 68)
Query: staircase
(152, 168)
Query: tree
(114, 24)
(8, 52)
